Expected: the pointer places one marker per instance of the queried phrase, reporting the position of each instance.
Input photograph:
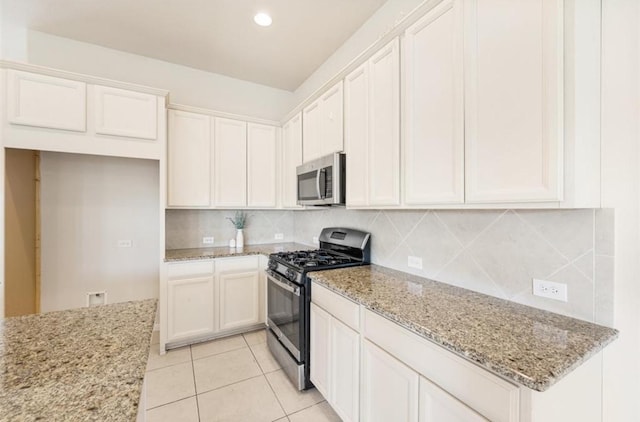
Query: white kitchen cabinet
(335, 351)
(188, 158)
(291, 158)
(46, 101)
(239, 299)
(433, 108)
(436, 405)
(190, 304)
(389, 388)
(121, 112)
(513, 54)
(320, 337)
(372, 130)
(229, 182)
(322, 129)
(262, 162)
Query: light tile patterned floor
(234, 379)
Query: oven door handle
(285, 286)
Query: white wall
(375, 27)
(187, 85)
(88, 203)
(620, 189)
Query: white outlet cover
(207, 240)
(316, 240)
(279, 236)
(550, 290)
(414, 262)
(125, 243)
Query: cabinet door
(230, 163)
(513, 100)
(239, 299)
(319, 339)
(311, 131)
(125, 113)
(45, 101)
(389, 388)
(356, 131)
(384, 122)
(261, 165)
(190, 307)
(344, 379)
(436, 405)
(291, 158)
(188, 157)
(433, 108)
(331, 124)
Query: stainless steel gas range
(289, 295)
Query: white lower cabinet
(213, 298)
(320, 335)
(389, 388)
(344, 375)
(436, 405)
(239, 299)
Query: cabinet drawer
(189, 269)
(489, 395)
(241, 263)
(337, 305)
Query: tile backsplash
(496, 252)
(186, 228)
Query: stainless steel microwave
(322, 181)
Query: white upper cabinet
(323, 124)
(433, 113)
(372, 130)
(46, 101)
(189, 162)
(513, 100)
(121, 112)
(291, 158)
(230, 163)
(261, 165)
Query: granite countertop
(83, 364)
(529, 346)
(172, 255)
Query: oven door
(285, 312)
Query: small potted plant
(239, 222)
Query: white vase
(239, 238)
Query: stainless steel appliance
(289, 295)
(322, 181)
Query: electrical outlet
(414, 262)
(316, 241)
(550, 290)
(207, 240)
(125, 243)
(279, 236)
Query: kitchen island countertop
(84, 364)
(173, 255)
(528, 346)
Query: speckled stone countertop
(83, 364)
(529, 346)
(224, 251)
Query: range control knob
(273, 264)
(291, 274)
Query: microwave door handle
(318, 183)
(320, 186)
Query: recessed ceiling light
(262, 19)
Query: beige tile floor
(231, 379)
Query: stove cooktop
(314, 259)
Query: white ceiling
(213, 35)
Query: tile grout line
(195, 386)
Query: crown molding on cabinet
(398, 29)
(214, 113)
(42, 70)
